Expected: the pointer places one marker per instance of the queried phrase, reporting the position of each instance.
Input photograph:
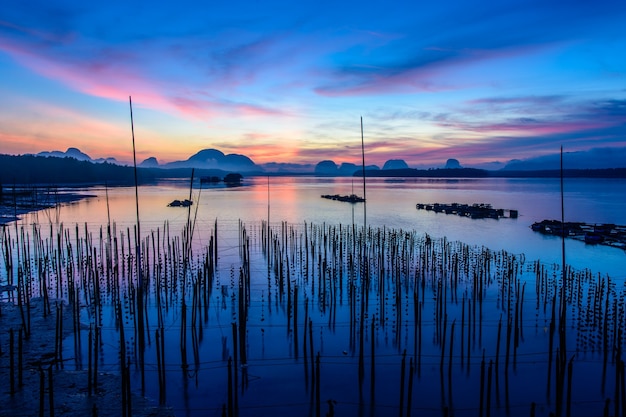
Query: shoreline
(70, 395)
(17, 202)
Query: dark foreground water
(419, 313)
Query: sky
(288, 82)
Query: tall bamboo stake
(402, 376)
(363, 169)
(12, 361)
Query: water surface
(428, 290)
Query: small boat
(180, 203)
(209, 180)
(593, 237)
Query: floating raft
(605, 234)
(352, 198)
(474, 211)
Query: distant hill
(278, 168)
(602, 160)
(597, 158)
(395, 164)
(149, 163)
(430, 173)
(453, 164)
(204, 159)
(481, 173)
(214, 159)
(76, 154)
(556, 173)
(70, 153)
(346, 169)
(31, 169)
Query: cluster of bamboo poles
(434, 298)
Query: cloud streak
(101, 75)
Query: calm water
(277, 378)
(390, 203)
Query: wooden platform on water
(599, 233)
(352, 198)
(473, 211)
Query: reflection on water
(320, 315)
(297, 200)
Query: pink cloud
(115, 82)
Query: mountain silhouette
(149, 163)
(395, 164)
(70, 153)
(78, 155)
(596, 158)
(214, 159)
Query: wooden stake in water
(132, 128)
(402, 375)
(462, 331)
(12, 361)
(312, 354)
(20, 359)
(363, 169)
(498, 346)
(95, 353)
(482, 386)
(231, 407)
(551, 345)
(42, 392)
(138, 260)
(563, 231)
(373, 366)
(451, 344)
(488, 402)
(160, 364)
(622, 386)
(50, 392)
(90, 343)
(317, 386)
(410, 390)
(570, 367)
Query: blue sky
(288, 82)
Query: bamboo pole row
(385, 281)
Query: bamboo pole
(12, 361)
(402, 377)
(409, 402)
(317, 386)
(50, 392)
(42, 392)
(489, 377)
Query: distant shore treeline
(481, 173)
(29, 169)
